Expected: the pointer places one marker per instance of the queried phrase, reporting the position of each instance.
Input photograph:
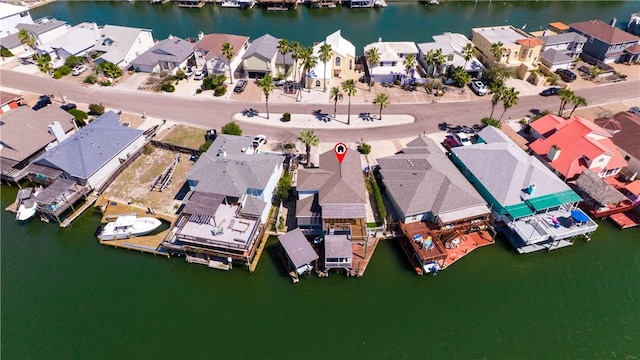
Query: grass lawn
(186, 136)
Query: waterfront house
(521, 51)
(341, 65)
(606, 42)
(45, 29)
(26, 134)
(228, 204)
(573, 145)
(560, 50)
(300, 255)
(121, 44)
(78, 41)
(451, 45)
(208, 51)
(262, 57)
(625, 131)
(10, 101)
(391, 65)
(538, 209)
(91, 155)
(12, 15)
(168, 55)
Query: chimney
(57, 131)
(531, 189)
(554, 153)
(200, 35)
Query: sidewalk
(319, 120)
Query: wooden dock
(406, 248)
(361, 256)
(91, 198)
(626, 220)
(146, 244)
(259, 250)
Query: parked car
(462, 138)
(450, 142)
(259, 140)
(200, 74)
(566, 75)
(188, 72)
(635, 110)
(44, 101)
(550, 91)
(479, 88)
(79, 70)
(240, 86)
(67, 107)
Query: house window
(627, 158)
(393, 63)
(317, 83)
(530, 53)
(350, 64)
(338, 60)
(450, 57)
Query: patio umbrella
(579, 216)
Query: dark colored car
(240, 86)
(43, 102)
(67, 107)
(550, 91)
(566, 75)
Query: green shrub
(179, 75)
(382, 211)
(283, 192)
(110, 69)
(91, 79)
(232, 129)
(61, 71)
(168, 87)
(286, 117)
(80, 116)
(487, 121)
(148, 149)
(73, 61)
(372, 83)
(96, 109)
(204, 147)
(105, 83)
(220, 91)
(4, 52)
(198, 91)
(365, 148)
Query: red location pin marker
(341, 150)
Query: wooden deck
(408, 251)
(146, 244)
(468, 243)
(626, 219)
(361, 256)
(90, 200)
(259, 250)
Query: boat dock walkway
(625, 220)
(361, 256)
(147, 244)
(91, 198)
(468, 243)
(259, 250)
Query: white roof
(452, 44)
(340, 45)
(389, 50)
(76, 40)
(7, 10)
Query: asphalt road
(213, 113)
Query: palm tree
(566, 95)
(296, 54)
(309, 61)
(409, 63)
(577, 101)
(509, 99)
(429, 59)
(284, 46)
(497, 49)
(27, 39)
(228, 53)
(467, 53)
(382, 100)
(325, 57)
(336, 95)
(44, 64)
(461, 77)
(349, 88)
(595, 72)
(497, 89)
(439, 59)
(267, 86)
(373, 58)
(309, 139)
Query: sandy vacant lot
(134, 184)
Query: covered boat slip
(60, 196)
(299, 255)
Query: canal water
(65, 296)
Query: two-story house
(606, 42)
(451, 45)
(573, 145)
(12, 15)
(560, 50)
(121, 44)
(208, 51)
(391, 65)
(262, 57)
(341, 64)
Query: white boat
(126, 226)
(431, 267)
(26, 202)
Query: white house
(121, 44)
(391, 65)
(11, 16)
(341, 65)
(79, 40)
(451, 45)
(169, 55)
(46, 29)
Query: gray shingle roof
(297, 247)
(422, 179)
(337, 246)
(91, 147)
(115, 42)
(505, 170)
(266, 47)
(233, 174)
(555, 56)
(174, 50)
(563, 38)
(42, 26)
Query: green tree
(73, 61)
(110, 69)
(439, 59)
(44, 64)
(27, 39)
(349, 87)
(96, 109)
(497, 73)
(283, 192)
(509, 100)
(325, 57)
(381, 101)
(566, 95)
(309, 61)
(595, 73)
(497, 90)
(336, 95)
(497, 50)
(231, 128)
(373, 58)
(296, 54)
(577, 101)
(429, 60)
(284, 46)
(267, 86)
(228, 53)
(467, 53)
(460, 76)
(309, 139)
(410, 63)
(491, 122)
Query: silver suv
(479, 88)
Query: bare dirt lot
(134, 184)
(183, 135)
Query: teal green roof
(519, 210)
(553, 200)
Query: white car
(479, 88)
(259, 140)
(200, 74)
(78, 70)
(635, 110)
(462, 138)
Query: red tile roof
(213, 43)
(546, 124)
(559, 26)
(633, 50)
(604, 32)
(578, 138)
(633, 187)
(530, 42)
(627, 138)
